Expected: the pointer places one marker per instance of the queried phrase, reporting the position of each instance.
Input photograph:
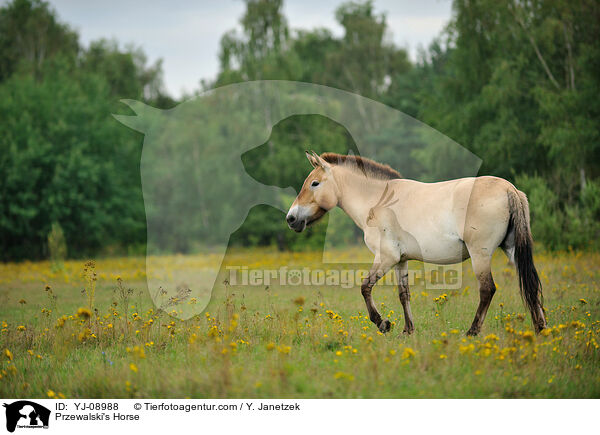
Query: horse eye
(314, 183)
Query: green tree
(516, 88)
(29, 35)
(64, 161)
(259, 53)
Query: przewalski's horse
(441, 223)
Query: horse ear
(320, 162)
(312, 160)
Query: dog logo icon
(26, 414)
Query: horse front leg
(377, 271)
(404, 294)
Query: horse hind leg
(487, 288)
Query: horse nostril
(291, 219)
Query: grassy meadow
(65, 334)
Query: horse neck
(357, 194)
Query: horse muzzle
(295, 219)
(295, 224)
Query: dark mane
(366, 166)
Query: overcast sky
(186, 33)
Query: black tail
(529, 281)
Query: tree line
(514, 82)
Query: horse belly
(434, 242)
(443, 252)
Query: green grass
(294, 341)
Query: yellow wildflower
(84, 313)
(284, 349)
(408, 353)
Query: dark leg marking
(404, 294)
(487, 288)
(366, 287)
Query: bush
(558, 225)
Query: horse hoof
(472, 332)
(385, 326)
(408, 331)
